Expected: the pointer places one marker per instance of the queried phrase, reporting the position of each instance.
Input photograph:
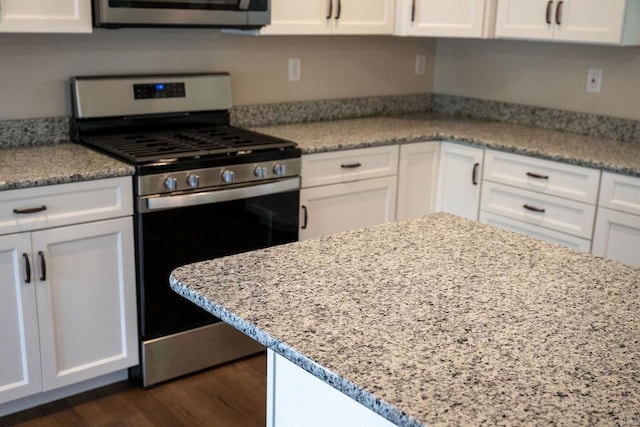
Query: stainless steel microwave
(243, 14)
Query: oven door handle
(155, 203)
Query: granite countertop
(23, 167)
(602, 153)
(442, 320)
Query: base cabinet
(297, 398)
(417, 179)
(67, 287)
(336, 208)
(459, 180)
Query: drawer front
(554, 213)
(536, 232)
(349, 165)
(64, 204)
(620, 192)
(544, 176)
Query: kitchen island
(441, 320)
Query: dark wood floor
(229, 395)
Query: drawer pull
(413, 11)
(27, 268)
(330, 9)
(30, 211)
(537, 175)
(339, 10)
(534, 209)
(559, 13)
(43, 267)
(351, 166)
(306, 218)
(549, 12)
(474, 174)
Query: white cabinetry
(459, 179)
(544, 199)
(45, 16)
(346, 190)
(331, 17)
(617, 231)
(417, 179)
(67, 290)
(437, 18)
(297, 398)
(592, 21)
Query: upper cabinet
(589, 21)
(45, 16)
(313, 17)
(445, 18)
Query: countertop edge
(336, 381)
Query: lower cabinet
(617, 231)
(459, 179)
(297, 398)
(67, 306)
(330, 209)
(347, 190)
(417, 179)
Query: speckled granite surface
(442, 321)
(29, 132)
(607, 154)
(23, 167)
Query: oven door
(167, 13)
(186, 228)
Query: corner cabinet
(459, 179)
(67, 285)
(45, 16)
(589, 21)
(436, 18)
(316, 17)
(347, 190)
(617, 230)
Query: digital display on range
(159, 90)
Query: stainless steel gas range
(204, 189)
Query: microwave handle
(244, 4)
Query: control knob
(228, 176)
(279, 169)
(260, 172)
(171, 183)
(193, 181)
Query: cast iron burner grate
(191, 143)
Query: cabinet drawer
(544, 176)
(64, 204)
(620, 192)
(535, 231)
(349, 165)
(554, 213)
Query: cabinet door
(459, 180)
(590, 20)
(617, 236)
(341, 207)
(525, 19)
(20, 373)
(300, 17)
(452, 18)
(45, 16)
(86, 300)
(417, 179)
(363, 16)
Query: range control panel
(159, 90)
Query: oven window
(178, 4)
(171, 238)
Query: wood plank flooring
(227, 396)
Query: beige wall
(542, 74)
(34, 69)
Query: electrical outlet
(295, 69)
(421, 64)
(594, 80)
